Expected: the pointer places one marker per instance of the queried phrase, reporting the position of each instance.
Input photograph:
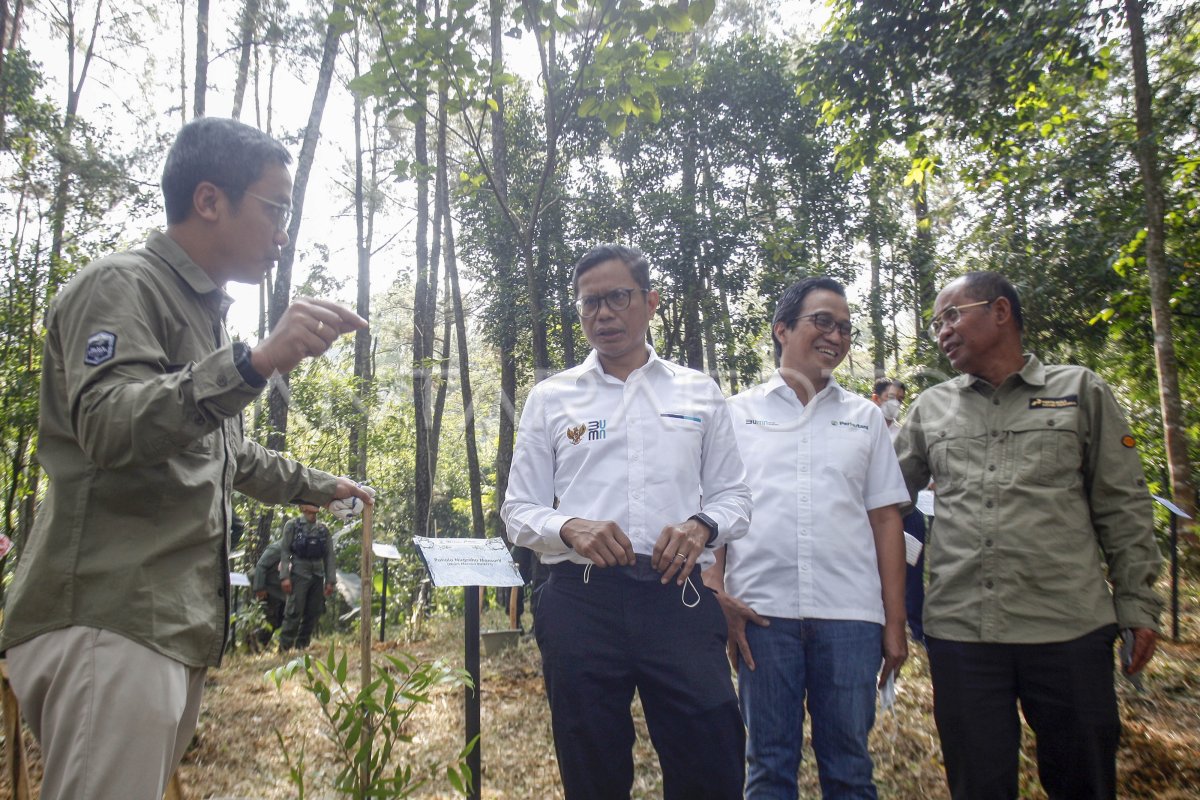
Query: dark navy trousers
(605, 633)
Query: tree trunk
(1174, 430)
(922, 266)
(246, 32)
(281, 297)
(183, 103)
(508, 343)
(878, 337)
(421, 336)
(364, 215)
(464, 367)
(201, 58)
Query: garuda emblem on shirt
(576, 433)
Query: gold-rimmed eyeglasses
(951, 315)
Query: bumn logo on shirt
(597, 429)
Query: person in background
(268, 591)
(889, 396)
(1043, 550)
(307, 574)
(120, 601)
(813, 595)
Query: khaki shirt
(140, 434)
(1040, 506)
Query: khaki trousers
(113, 717)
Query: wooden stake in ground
(364, 620)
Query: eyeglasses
(283, 211)
(617, 300)
(951, 315)
(825, 323)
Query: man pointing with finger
(120, 601)
(625, 477)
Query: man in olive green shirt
(120, 601)
(1041, 506)
(308, 574)
(269, 591)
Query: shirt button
(995, 433)
(1050, 423)
(988, 504)
(804, 531)
(988, 584)
(991, 467)
(222, 380)
(988, 542)
(995, 401)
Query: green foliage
(367, 725)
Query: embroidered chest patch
(101, 347)
(1066, 401)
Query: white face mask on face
(890, 409)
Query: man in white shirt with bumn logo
(814, 593)
(612, 461)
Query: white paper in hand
(887, 694)
(912, 549)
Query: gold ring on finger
(681, 556)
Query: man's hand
(602, 542)
(343, 505)
(677, 549)
(737, 614)
(1145, 641)
(328, 589)
(286, 583)
(307, 329)
(895, 651)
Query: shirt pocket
(951, 451)
(679, 436)
(1046, 450)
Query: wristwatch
(241, 360)
(708, 522)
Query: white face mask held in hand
(349, 507)
(890, 409)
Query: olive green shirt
(140, 434)
(1041, 506)
(292, 565)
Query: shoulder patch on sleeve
(101, 347)
(1127, 440)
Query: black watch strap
(709, 523)
(241, 360)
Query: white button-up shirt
(647, 452)
(816, 470)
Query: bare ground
(236, 756)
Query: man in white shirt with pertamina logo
(814, 593)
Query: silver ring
(320, 327)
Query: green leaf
(701, 10)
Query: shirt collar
(177, 259)
(592, 365)
(1032, 374)
(776, 383)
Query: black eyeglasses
(617, 300)
(825, 323)
(951, 315)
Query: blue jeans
(830, 666)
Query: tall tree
(247, 29)
(201, 82)
(336, 25)
(1174, 428)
